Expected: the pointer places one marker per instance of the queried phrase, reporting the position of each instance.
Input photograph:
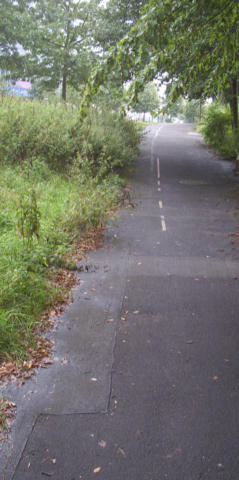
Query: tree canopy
(10, 34)
(192, 44)
(59, 47)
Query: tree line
(192, 45)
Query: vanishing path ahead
(158, 397)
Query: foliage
(118, 148)
(216, 127)
(10, 34)
(28, 216)
(148, 99)
(39, 134)
(116, 19)
(49, 199)
(58, 42)
(35, 130)
(192, 45)
(191, 111)
(67, 207)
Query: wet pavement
(144, 383)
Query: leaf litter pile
(7, 414)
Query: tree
(148, 99)
(192, 110)
(59, 43)
(192, 44)
(11, 34)
(116, 19)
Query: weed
(28, 217)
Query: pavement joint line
(163, 223)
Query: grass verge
(43, 220)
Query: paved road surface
(145, 382)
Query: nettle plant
(28, 217)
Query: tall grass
(56, 183)
(51, 133)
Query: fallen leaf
(48, 362)
(120, 451)
(97, 470)
(64, 361)
(93, 379)
(136, 312)
(54, 461)
(102, 444)
(215, 378)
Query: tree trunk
(64, 87)
(234, 105)
(200, 110)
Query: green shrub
(216, 128)
(109, 143)
(56, 183)
(34, 133)
(59, 209)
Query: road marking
(163, 223)
(160, 204)
(158, 168)
(159, 189)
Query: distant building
(20, 89)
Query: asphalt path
(145, 381)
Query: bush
(110, 143)
(56, 183)
(34, 133)
(40, 219)
(33, 129)
(216, 128)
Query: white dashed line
(158, 168)
(163, 223)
